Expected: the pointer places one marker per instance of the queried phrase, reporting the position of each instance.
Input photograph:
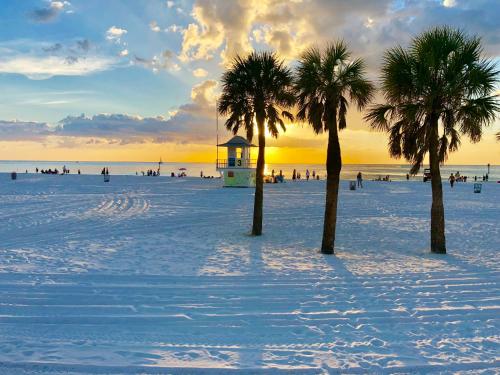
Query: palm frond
(379, 116)
(253, 88)
(324, 78)
(442, 77)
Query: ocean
(349, 171)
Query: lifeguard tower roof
(237, 141)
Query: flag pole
(217, 130)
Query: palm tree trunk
(259, 183)
(333, 167)
(438, 241)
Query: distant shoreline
(212, 162)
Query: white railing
(236, 163)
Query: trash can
(352, 185)
(477, 188)
(13, 176)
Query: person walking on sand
(294, 175)
(307, 174)
(359, 178)
(452, 180)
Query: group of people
(297, 176)
(386, 178)
(105, 171)
(48, 171)
(150, 172)
(458, 178)
(203, 176)
(275, 178)
(53, 171)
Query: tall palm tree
(326, 81)
(438, 89)
(257, 89)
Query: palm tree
(326, 81)
(257, 89)
(438, 89)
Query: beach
(349, 171)
(159, 275)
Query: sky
(137, 80)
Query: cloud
(43, 60)
(221, 29)
(44, 67)
(124, 53)
(191, 122)
(174, 29)
(83, 45)
(23, 130)
(115, 34)
(217, 23)
(200, 73)
(165, 61)
(153, 25)
(53, 48)
(121, 127)
(50, 12)
(170, 4)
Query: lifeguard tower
(238, 170)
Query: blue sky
(122, 87)
(144, 73)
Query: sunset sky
(137, 80)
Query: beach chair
(477, 188)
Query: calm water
(349, 171)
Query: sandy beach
(154, 275)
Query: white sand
(147, 274)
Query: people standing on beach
(272, 173)
(407, 177)
(294, 175)
(452, 180)
(201, 174)
(80, 172)
(307, 174)
(359, 178)
(314, 174)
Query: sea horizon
(194, 169)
